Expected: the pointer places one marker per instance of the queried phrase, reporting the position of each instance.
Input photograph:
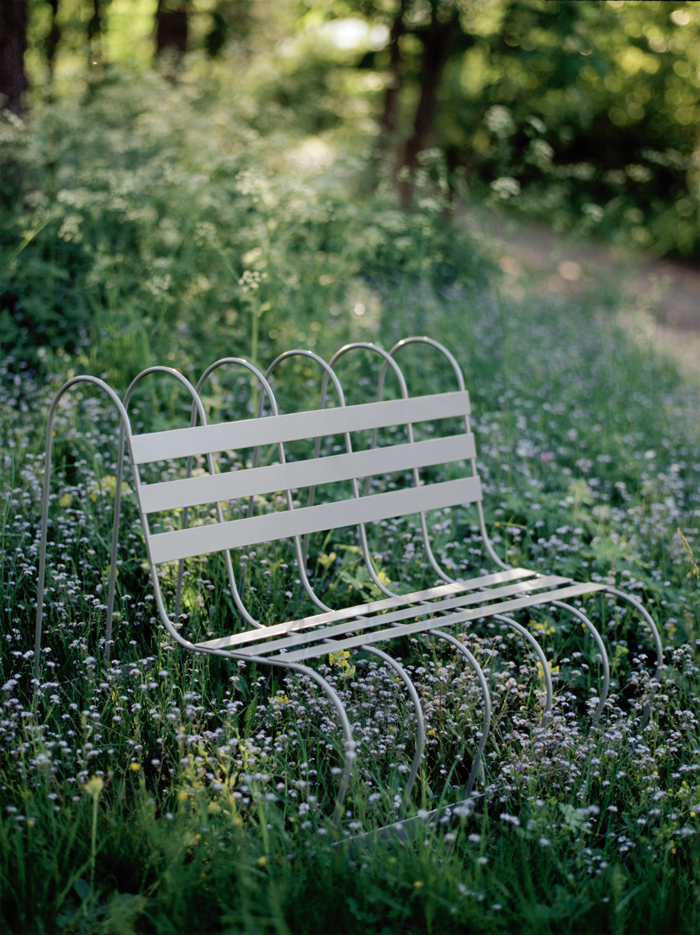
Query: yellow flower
(546, 629)
(418, 884)
(182, 796)
(327, 560)
(134, 767)
(94, 787)
(262, 861)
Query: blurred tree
(53, 37)
(437, 30)
(230, 19)
(583, 112)
(172, 25)
(13, 44)
(94, 33)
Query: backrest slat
(214, 537)
(248, 433)
(230, 485)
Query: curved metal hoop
(196, 402)
(349, 743)
(478, 758)
(649, 620)
(125, 428)
(264, 389)
(429, 342)
(301, 563)
(390, 362)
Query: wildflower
(94, 787)
(262, 861)
(134, 767)
(418, 884)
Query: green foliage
(593, 109)
(584, 114)
(153, 222)
(587, 448)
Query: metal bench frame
(443, 611)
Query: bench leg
(649, 620)
(601, 649)
(420, 721)
(539, 652)
(487, 702)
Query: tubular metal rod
(124, 421)
(601, 649)
(487, 703)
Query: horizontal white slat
(384, 620)
(316, 471)
(247, 433)
(371, 607)
(200, 540)
(462, 616)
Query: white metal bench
(444, 610)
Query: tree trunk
(389, 116)
(52, 39)
(13, 45)
(171, 28)
(94, 35)
(438, 39)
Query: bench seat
(447, 605)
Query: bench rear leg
(487, 702)
(539, 652)
(420, 721)
(601, 649)
(649, 620)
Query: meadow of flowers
(162, 792)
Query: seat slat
(247, 433)
(391, 633)
(295, 639)
(231, 485)
(214, 537)
(371, 607)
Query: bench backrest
(314, 471)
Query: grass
(165, 793)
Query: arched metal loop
(429, 342)
(478, 758)
(390, 362)
(126, 430)
(196, 405)
(301, 552)
(264, 389)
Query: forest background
(584, 115)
